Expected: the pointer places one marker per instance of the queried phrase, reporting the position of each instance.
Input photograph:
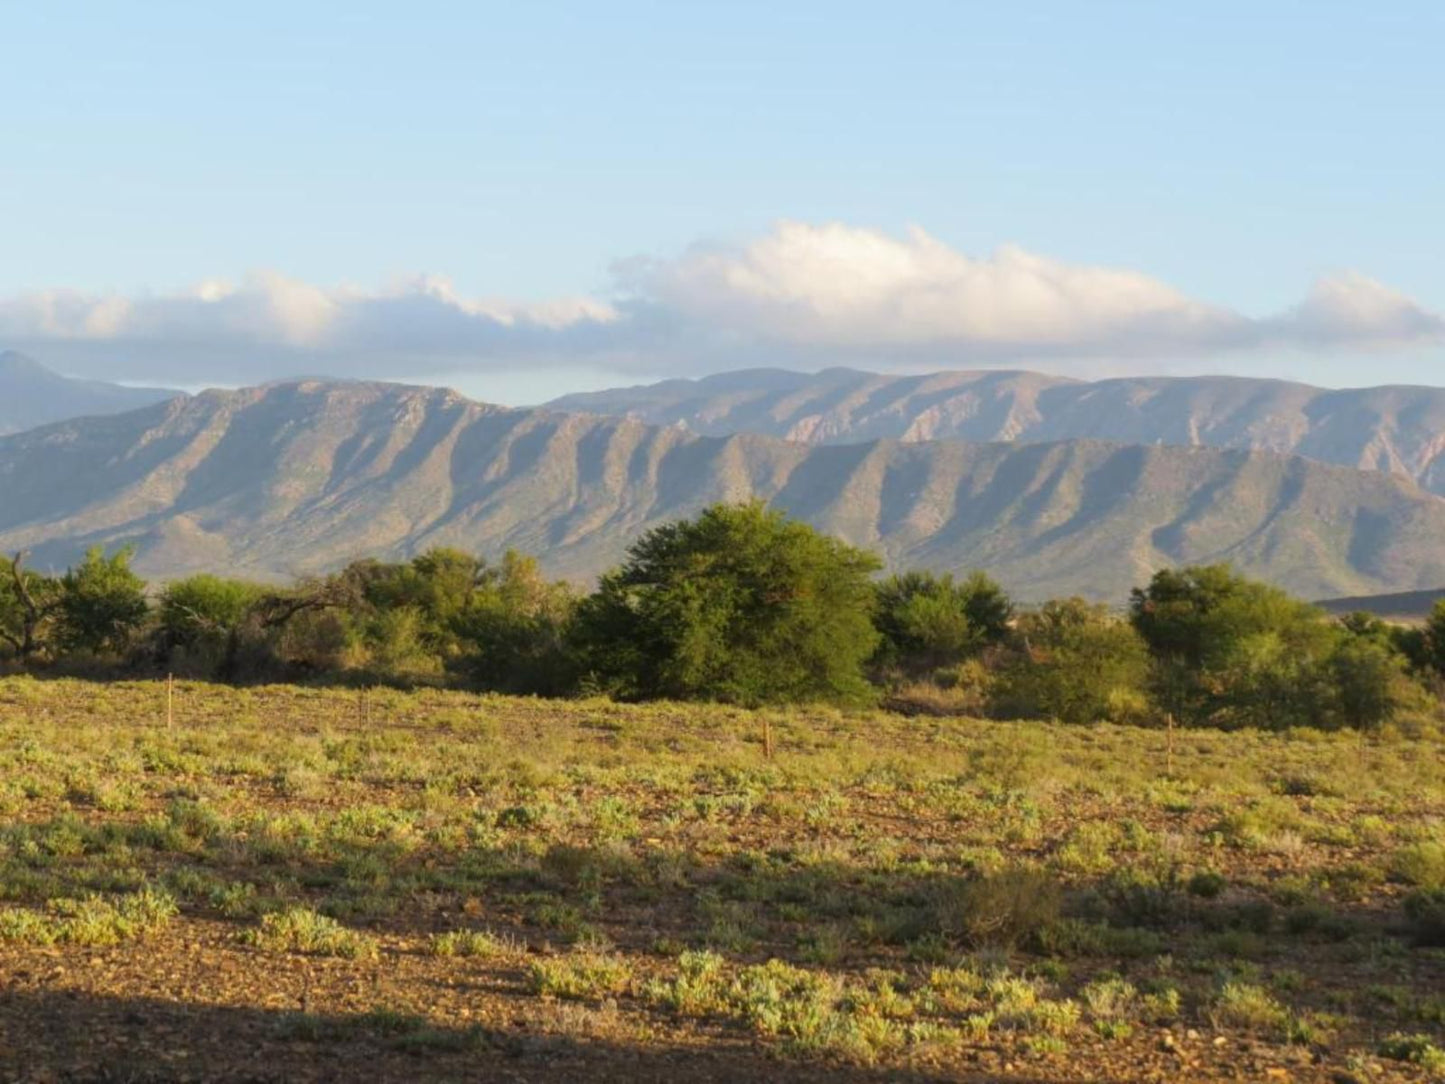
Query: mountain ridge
(32, 395)
(1393, 428)
(295, 478)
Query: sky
(526, 199)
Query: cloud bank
(802, 295)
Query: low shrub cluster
(94, 920)
(743, 605)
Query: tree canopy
(930, 620)
(741, 604)
(745, 605)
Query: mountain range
(1396, 429)
(32, 395)
(300, 477)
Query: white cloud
(802, 295)
(1350, 308)
(840, 285)
(845, 288)
(269, 309)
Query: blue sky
(1235, 153)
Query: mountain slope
(1397, 429)
(293, 478)
(32, 395)
(1406, 608)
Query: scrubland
(300, 883)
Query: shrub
(582, 975)
(780, 999)
(1425, 911)
(1420, 864)
(1207, 884)
(93, 920)
(929, 621)
(1233, 652)
(301, 930)
(1074, 662)
(1109, 999)
(698, 989)
(1161, 1006)
(1244, 1005)
(28, 927)
(1000, 909)
(472, 943)
(102, 603)
(1077, 937)
(1417, 1049)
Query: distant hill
(1408, 607)
(301, 477)
(1396, 429)
(31, 395)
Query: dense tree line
(744, 605)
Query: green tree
(1370, 683)
(444, 583)
(1365, 625)
(1199, 615)
(1230, 650)
(102, 602)
(391, 644)
(1432, 640)
(1075, 662)
(1268, 683)
(741, 604)
(202, 622)
(514, 629)
(928, 621)
(438, 587)
(1235, 653)
(203, 605)
(500, 625)
(28, 602)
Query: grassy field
(290, 883)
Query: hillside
(1406, 608)
(31, 395)
(293, 478)
(1398, 429)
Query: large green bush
(205, 623)
(1228, 651)
(102, 603)
(1074, 662)
(929, 621)
(514, 629)
(741, 604)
